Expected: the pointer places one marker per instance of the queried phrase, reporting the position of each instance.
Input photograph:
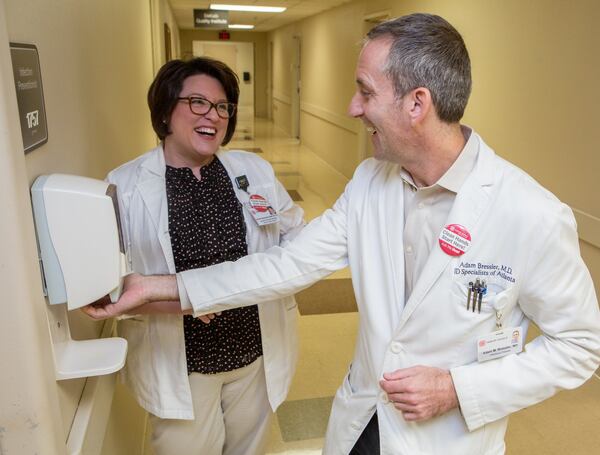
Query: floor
(569, 423)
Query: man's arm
(557, 294)
(319, 250)
(559, 297)
(143, 295)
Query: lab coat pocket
(346, 391)
(471, 301)
(496, 298)
(496, 307)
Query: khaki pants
(232, 416)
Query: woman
(210, 388)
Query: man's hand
(420, 392)
(132, 297)
(143, 295)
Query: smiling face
(194, 139)
(376, 103)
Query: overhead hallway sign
(210, 18)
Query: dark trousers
(368, 442)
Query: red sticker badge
(259, 203)
(455, 239)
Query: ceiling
(263, 22)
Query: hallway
(567, 423)
(534, 65)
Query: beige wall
(281, 71)
(96, 63)
(161, 14)
(535, 93)
(29, 404)
(329, 49)
(260, 58)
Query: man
(452, 250)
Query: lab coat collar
(471, 201)
(457, 174)
(155, 162)
(152, 188)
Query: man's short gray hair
(428, 52)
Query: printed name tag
(500, 343)
(261, 210)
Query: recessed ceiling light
(253, 8)
(242, 26)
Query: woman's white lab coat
(156, 368)
(519, 231)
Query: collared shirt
(426, 209)
(207, 227)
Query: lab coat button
(421, 205)
(408, 249)
(383, 396)
(355, 425)
(395, 347)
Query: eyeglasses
(201, 106)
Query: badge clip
(242, 183)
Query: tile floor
(567, 424)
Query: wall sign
(210, 18)
(30, 95)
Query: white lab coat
(156, 368)
(515, 225)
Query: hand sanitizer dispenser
(83, 259)
(81, 246)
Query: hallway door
(296, 86)
(240, 58)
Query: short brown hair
(164, 91)
(427, 51)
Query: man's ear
(420, 104)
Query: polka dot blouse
(206, 226)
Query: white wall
(96, 63)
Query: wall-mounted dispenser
(83, 258)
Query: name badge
(261, 210)
(500, 343)
(454, 240)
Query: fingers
(403, 399)
(420, 392)
(403, 385)
(95, 312)
(402, 373)
(413, 417)
(206, 318)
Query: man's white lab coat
(156, 368)
(519, 231)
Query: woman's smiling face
(194, 139)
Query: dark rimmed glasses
(201, 106)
